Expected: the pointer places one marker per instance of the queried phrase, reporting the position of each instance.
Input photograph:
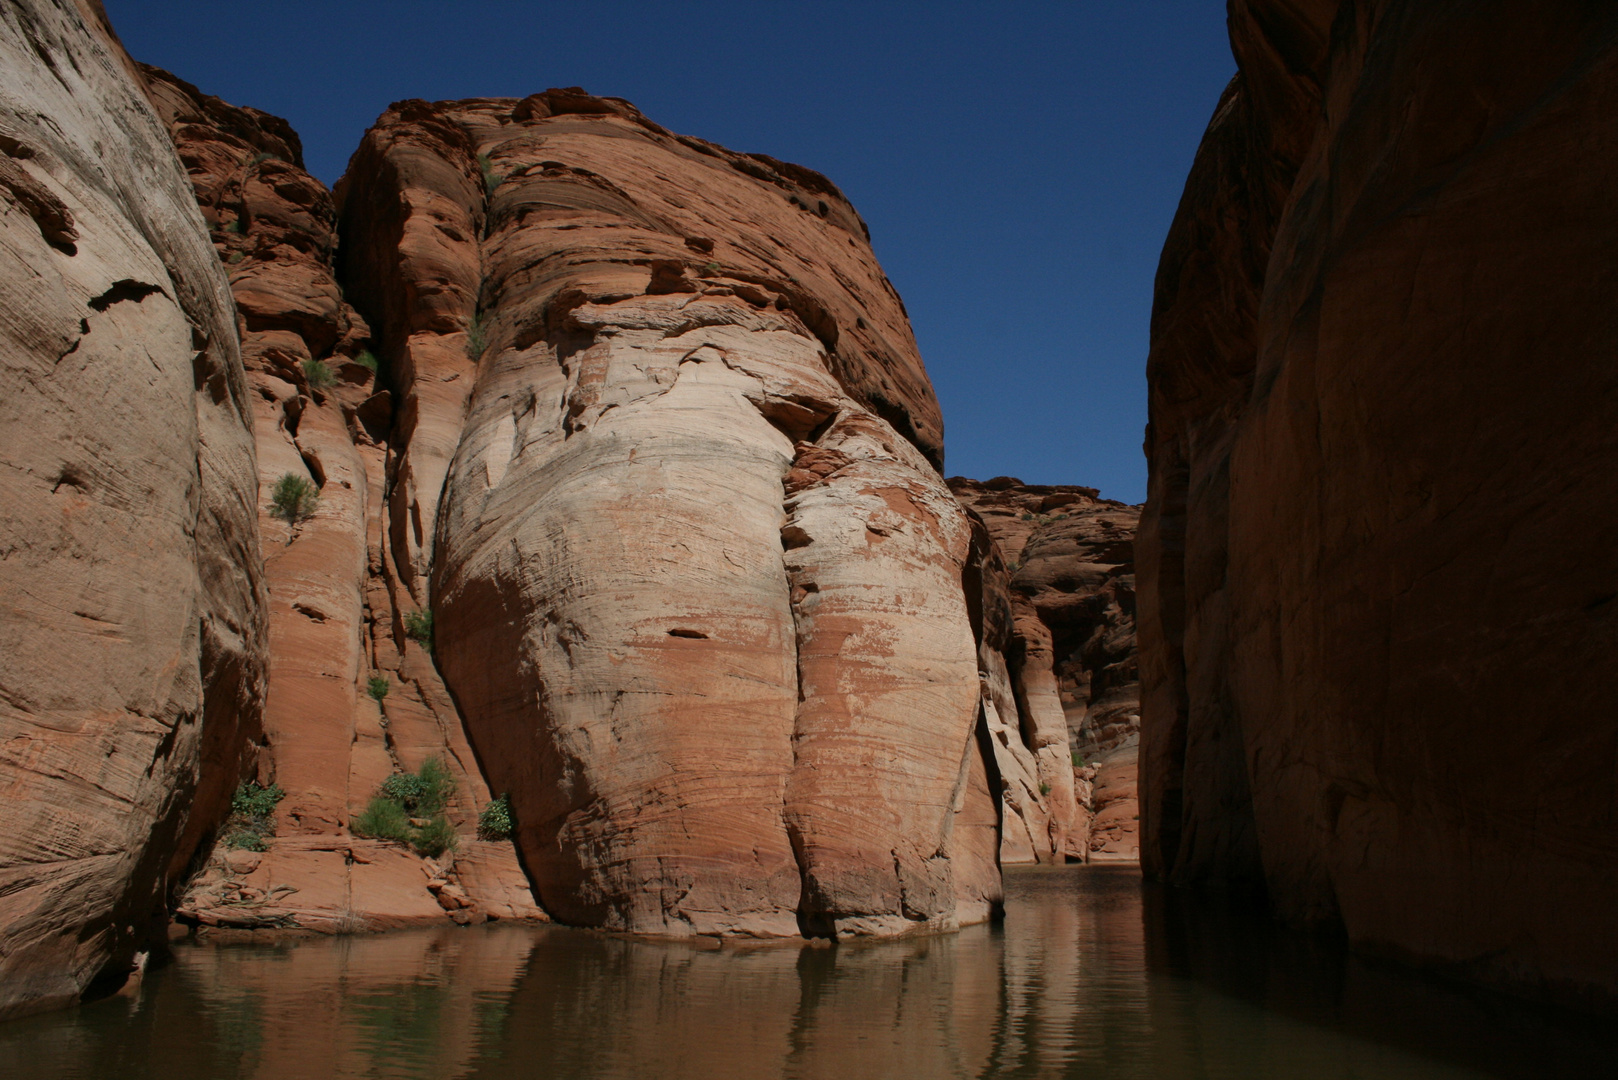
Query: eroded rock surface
(1070, 664)
(336, 603)
(667, 457)
(1378, 555)
(132, 640)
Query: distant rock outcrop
(132, 640)
(1074, 694)
(336, 606)
(1380, 553)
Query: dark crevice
(127, 289)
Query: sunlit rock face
(132, 639)
(667, 457)
(1378, 557)
(336, 600)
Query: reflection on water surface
(1088, 977)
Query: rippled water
(1089, 976)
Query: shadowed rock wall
(1378, 556)
(132, 639)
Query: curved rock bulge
(677, 644)
(132, 641)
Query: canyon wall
(667, 476)
(336, 604)
(132, 639)
(1379, 556)
(1072, 688)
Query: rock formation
(132, 641)
(1072, 689)
(1378, 556)
(335, 604)
(666, 473)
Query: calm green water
(1089, 976)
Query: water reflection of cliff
(1081, 980)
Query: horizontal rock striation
(667, 457)
(1377, 558)
(1070, 664)
(335, 602)
(132, 639)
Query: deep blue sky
(1018, 163)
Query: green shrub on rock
(252, 816)
(294, 498)
(402, 802)
(494, 820)
(319, 374)
(383, 819)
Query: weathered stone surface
(1069, 657)
(1378, 556)
(667, 456)
(131, 632)
(334, 599)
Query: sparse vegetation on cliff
(419, 626)
(319, 374)
(474, 337)
(494, 820)
(366, 359)
(294, 498)
(252, 816)
(491, 179)
(409, 808)
(377, 687)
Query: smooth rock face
(132, 640)
(667, 456)
(335, 601)
(1070, 660)
(1378, 557)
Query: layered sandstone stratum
(628, 507)
(1379, 557)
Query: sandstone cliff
(1378, 556)
(335, 604)
(132, 641)
(1073, 691)
(666, 476)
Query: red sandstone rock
(666, 453)
(332, 590)
(131, 596)
(1070, 655)
(1378, 556)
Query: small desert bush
(384, 819)
(319, 374)
(366, 359)
(377, 686)
(475, 342)
(403, 796)
(419, 626)
(294, 498)
(1044, 788)
(252, 816)
(1078, 760)
(435, 837)
(494, 820)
